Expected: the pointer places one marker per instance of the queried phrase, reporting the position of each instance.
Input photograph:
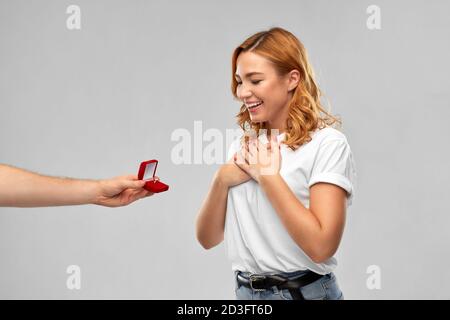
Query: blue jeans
(325, 288)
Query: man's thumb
(133, 184)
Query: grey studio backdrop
(94, 102)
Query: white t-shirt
(255, 237)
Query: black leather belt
(258, 282)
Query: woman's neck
(280, 127)
(280, 122)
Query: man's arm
(21, 188)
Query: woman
(280, 201)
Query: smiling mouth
(254, 106)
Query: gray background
(93, 103)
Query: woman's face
(258, 83)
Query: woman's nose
(244, 93)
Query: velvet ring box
(147, 172)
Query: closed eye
(254, 82)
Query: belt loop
(296, 294)
(236, 273)
(276, 290)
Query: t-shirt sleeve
(334, 164)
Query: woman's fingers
(240, 161)
(256, 152)
(253, 147)
(274, 145)
(244, 156)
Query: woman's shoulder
(328, 134)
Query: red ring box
(147, 172)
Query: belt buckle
(254, 277)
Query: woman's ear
(293, 79)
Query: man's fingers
(132, 184)
(142, 194)
(133, 195)
(128, 177)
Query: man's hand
(120, 191)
